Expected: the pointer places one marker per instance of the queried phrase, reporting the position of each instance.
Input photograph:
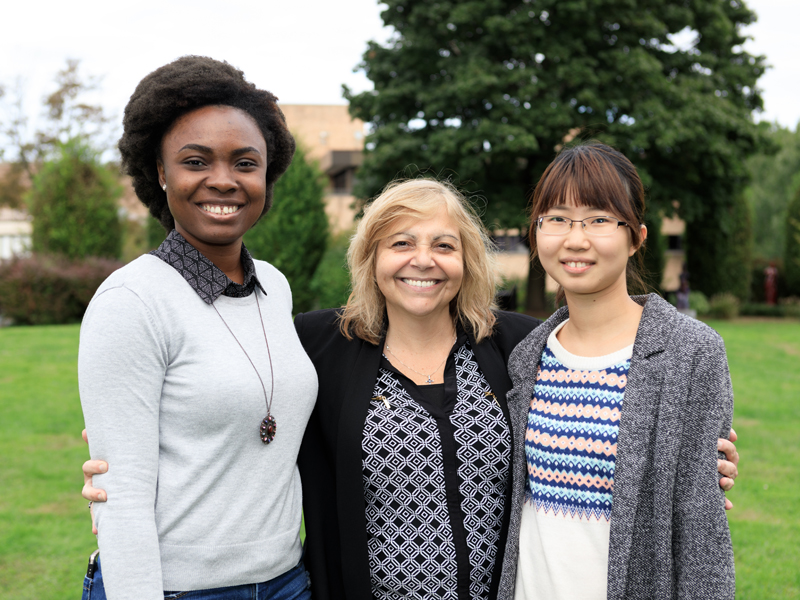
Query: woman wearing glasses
(620, 401)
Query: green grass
(45, 536)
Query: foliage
(487, 90)
(718, 250)
(294, 234)
(758, 276)
(724, 306)
(791, 256)
(783, 309)
(698, 301)
(67, 115)
(331, 283)
(42, 289)
(73, 204)
(775, 179)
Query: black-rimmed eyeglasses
(556, 225)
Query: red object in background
(771, 284)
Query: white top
(195, 499)
(570, 448)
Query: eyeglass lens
(555, 225)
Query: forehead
(210, 125)
(439, 222)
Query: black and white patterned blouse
(435, 478)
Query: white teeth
(577, 265)
(420, 282)
(219, 210)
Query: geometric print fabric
(571, 438)
(204, 277)
(412, 551)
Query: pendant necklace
(268, 425)
(429, 377)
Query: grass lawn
(45, 537)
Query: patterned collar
(205, 277)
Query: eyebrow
(207, 150)
(567, 207)
(435, 238)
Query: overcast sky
(303, 50)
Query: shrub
(294, 234)
(47, 289)
(724, 306)
(699, 302)
(791, 256)
(331, 282)
(73, 202)
(653, 254)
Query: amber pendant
(268, 427)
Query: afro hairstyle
(177, 88)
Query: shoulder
(681, 334)
(511, 328)
(270, 277)
(319, 329)
(146, 276)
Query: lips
(576, 266)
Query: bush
(293, 236)
(699, 303)
(42, 289)
(331, 282)
(653, 254)
(73, 202)
(724, 306)
(791, 257)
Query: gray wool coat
(669, 532)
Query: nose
(423, 257)
(221, 178)
(577, 238)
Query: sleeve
(121, 366)
(701, 538)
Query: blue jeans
(295, 584)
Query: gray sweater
(195, 500)
(669, 532)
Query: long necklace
(429, 377)
(268, 425)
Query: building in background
(15, 232)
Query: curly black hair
(180, 87)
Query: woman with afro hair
(193, 382)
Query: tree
(791, 260)
(294, 234)
(489, 89)
(73, 202)
(66, 116)
(775, 178)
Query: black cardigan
(330, 458)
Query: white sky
(301, 50)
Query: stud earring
(164, 187)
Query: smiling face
(214, 164)
(419, 266)
(583, 264)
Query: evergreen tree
(487, 90)
(791, 257)
(73, 202)
(294, 233)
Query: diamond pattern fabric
(205, 277)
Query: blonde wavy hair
(474, 304)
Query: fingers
(726, 483)
(734, 437)
(729, 449)
(93, 467)
(728, 504)
(728, 470)
(94, 527)
(85, 436)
